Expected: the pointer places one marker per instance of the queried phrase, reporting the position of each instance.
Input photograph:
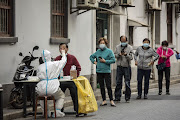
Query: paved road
(157, 107)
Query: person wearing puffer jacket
(144, 61)
(48, 73)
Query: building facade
(47, 23)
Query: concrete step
(10, 113)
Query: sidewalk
(10, 113)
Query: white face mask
(165, 48)
(102, 46)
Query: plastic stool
(45, 98)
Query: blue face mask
(146, 45)
(123, 44)
(102, 46)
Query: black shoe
(145, 96)
(103, 104)
(128, 100)
(116, 100)
(160, 93)
(138, 97)
(113, 105)
(167, 93)
(77, 115)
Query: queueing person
(104, 58)
(123, 53)
(48, 73)
(143, 61)
(164, 56)
(71, 60)
(177, 55)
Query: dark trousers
(105, 77)
(140, 74)
(73, 91)
(167, 76)
(126, 72)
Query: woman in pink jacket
(164, 56)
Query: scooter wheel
(16, 100)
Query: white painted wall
(139, 13)
(81, 35)
(32, 27)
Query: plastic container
(73, 72)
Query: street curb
(153, 84)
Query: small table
(33, 85)
(1, 104)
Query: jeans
(73, 91)
(105, 77)
(126, 72)
(160, 78)
(140, 74)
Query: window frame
(65, 25)
(10, 38)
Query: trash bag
(86, 99)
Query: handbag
(161, 66)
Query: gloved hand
(63, 53)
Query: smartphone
(100, 57)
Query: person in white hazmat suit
(48, 73)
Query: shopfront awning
(136, 23)
(108, 11)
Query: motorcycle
(23, 71)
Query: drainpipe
(92, 78)
(176, 29)
(153, 40)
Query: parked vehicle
(23, 71)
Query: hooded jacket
(144, 57)
(48, 73)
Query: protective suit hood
(46, 56)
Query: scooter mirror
(20, 54)
(35, 48)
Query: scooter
(23, 71)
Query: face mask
(165, 48)
(145, 45)
(102, 46)
(123, 44)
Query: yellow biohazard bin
(86, 99)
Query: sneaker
(117, 100)
(58, 114)
(167, 93)
(138, 97)
(160, 93)
(145, 96)
(128, 100)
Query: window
(6, 18)
(59, 18)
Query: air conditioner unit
(125, 2)
(154, 4)
(87, 3)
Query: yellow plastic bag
(86, 99)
